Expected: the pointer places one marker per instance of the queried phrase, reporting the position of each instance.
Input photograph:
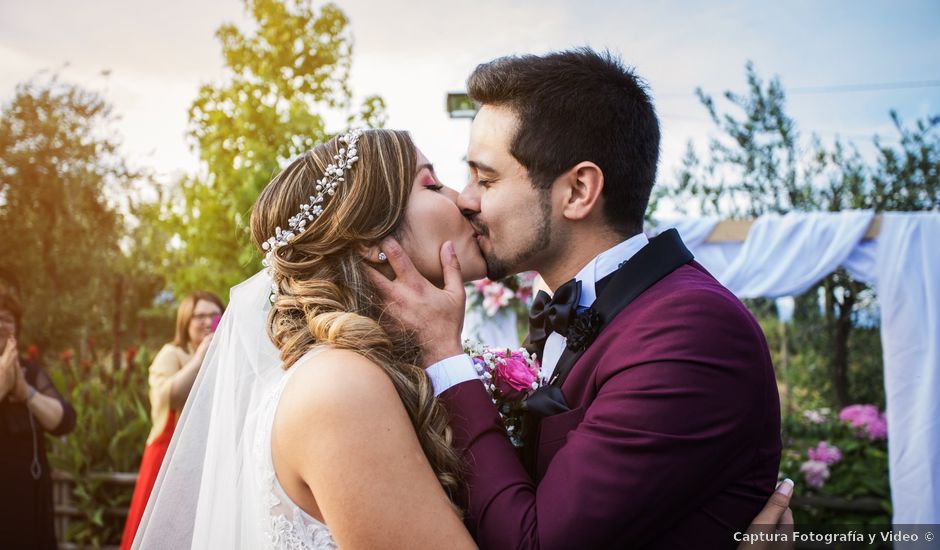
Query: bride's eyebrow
(427, 165)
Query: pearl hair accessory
(309, 211)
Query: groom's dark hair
(579, 105)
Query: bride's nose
(450, 193)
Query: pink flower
(495, 297)
(479, 285)
(868, 419)
(525, 291)
(524, 294)
(858, 415)
(815, 472)
(513, 376)
(824, 452)
(878, 429)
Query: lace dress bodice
(287, 525)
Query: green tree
(760, 164)
(58, 162)
(279, 79)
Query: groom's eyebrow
(480, 167)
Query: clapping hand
(9, 368)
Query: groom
(661, 425)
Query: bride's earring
(382, 257)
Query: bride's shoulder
(337, 381)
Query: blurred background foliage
(101, 251)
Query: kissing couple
(336, 407)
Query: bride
(312, 423)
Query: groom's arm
(660, 439)
(663, 425)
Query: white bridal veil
(208, 493)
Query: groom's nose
(468, 201)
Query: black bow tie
(553, 314)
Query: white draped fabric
(496, 331)
(786, 255)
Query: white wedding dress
(288, 527)
(217, 487)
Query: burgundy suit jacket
(672, 440)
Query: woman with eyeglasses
(172, 374)
(30, 407)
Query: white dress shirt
(601, 266)
(459, 368)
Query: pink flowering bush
(815, 473)
(867, 419)
(841, 455)
(525, 291)
(816, 470)
(494, 296)
(825, 453)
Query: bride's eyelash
(431, 183)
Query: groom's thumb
(777, 505)
(453, 278)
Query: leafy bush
(113, 422)
(842, 456)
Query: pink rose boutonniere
(509, 377)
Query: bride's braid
(324, 295)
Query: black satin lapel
(546, 401)
(664, 254)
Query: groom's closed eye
(481, 174)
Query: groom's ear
(583, 185)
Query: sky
(413, 53)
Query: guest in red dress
(172, 374)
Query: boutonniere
(509, 377)
(584, 330)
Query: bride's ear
(371, 253)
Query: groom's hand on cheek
(434, 314)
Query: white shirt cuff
(448, 373)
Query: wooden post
(735, 231)
(116, 324)
(785, 369)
